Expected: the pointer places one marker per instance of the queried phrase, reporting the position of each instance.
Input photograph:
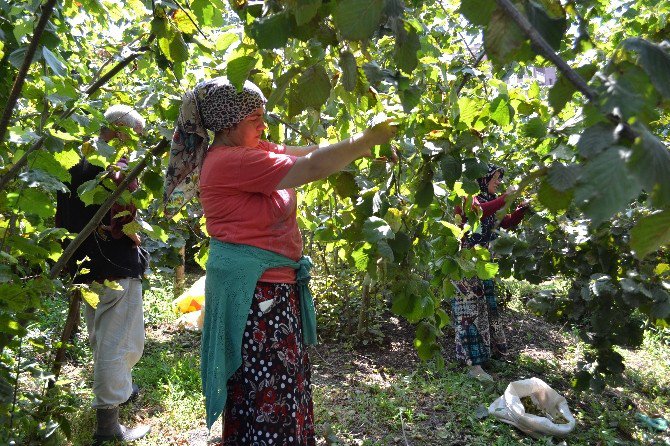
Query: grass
(383, 395)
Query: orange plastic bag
(192, 299)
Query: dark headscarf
(485, 233)
(484, 194)
(212, 105)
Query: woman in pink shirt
(246, 190)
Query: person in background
(116, 324)
(479, 333)
(259, 315)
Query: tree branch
(308, 138)
(547, 50)
(119, 66)
(574, 77)
(47, 10)
(192, 21)
(467, 76)
(16, 167)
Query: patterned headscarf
(213, 105)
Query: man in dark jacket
(116, 324)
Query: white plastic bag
(509, 409)
(192, 321)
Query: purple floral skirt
(269, 396)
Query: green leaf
(33, 201)
(281, 85)
(39, 178)
(452, 167)
(153, 181)
(7, 324)
(486, 270)
(313, 87)
(238, 70)
(385, 251)
(563, 89)
(630, 93)
(178, 49)
(154, 231)
(183, 21)
(474, 168)
(17, 56)
(654, 60)
(375, 74)
(424, 193)
(650, 163)
(563, 177)
(503, 40)
(91, 192)
(478, 12)
(503, 245)
(535, 128)
(400, 245)
(202, 256)
(49, 163)
(595, 139)
(358, 20)
(349, 70)
(27, 247)
(500, 111)
(411, 305)
(362, 257)
(54, 62)
(345, 185)
(410, 98)
(225, 41)
(305, 11)
(375, 229)
(271, 32)
(606, 186)
(661, 308)
(650, 233)
(407, 44)
(208, 12)
(551, 28)
(553, 199)
(424, 341)
(468, 109)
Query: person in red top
(246, 190)
(477, 326)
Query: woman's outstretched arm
(326, 160)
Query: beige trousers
(116, 334)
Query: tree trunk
(180, 273)
(363, 313)
(71, 324)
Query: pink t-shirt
(241, 204)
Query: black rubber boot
(133, 395)
(109, 428)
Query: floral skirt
(269, 396)
(479, 332)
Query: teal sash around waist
(232, 273)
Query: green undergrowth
(383, 395)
